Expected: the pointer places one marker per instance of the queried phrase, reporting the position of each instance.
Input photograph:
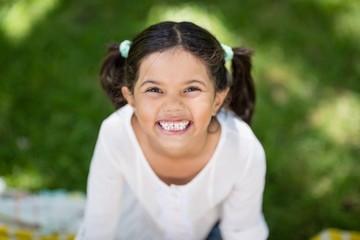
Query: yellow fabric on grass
(10, 233)
(337, 234)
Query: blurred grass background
(307, 72)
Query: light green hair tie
(229, 53)
(124, 48)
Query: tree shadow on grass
(52, 104)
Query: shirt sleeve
(242, 216)
(104, 190)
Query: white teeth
(174, 126)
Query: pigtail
(112, 76)
(242, 92)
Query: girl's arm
(242, 216)
(104, 189)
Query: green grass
(307, 76)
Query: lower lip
(173, 132)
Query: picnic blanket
(56, 215)
(337, 234)
(46, 215)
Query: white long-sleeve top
(127, 200)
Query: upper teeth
(174, 126)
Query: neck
(192, 150)
(188, 152)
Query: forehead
(174, 64)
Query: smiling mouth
(174, 126)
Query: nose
(173, 104)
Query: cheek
(207, 103)
(204, 109)
(145, 112)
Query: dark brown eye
(153, 90)
(192, 89)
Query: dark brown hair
(117, 71)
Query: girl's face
(174, 100)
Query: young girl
(178, 159)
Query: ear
(128, 96)
(219, 100)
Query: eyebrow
(158, 83)
(149, 82)
(196, 81)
